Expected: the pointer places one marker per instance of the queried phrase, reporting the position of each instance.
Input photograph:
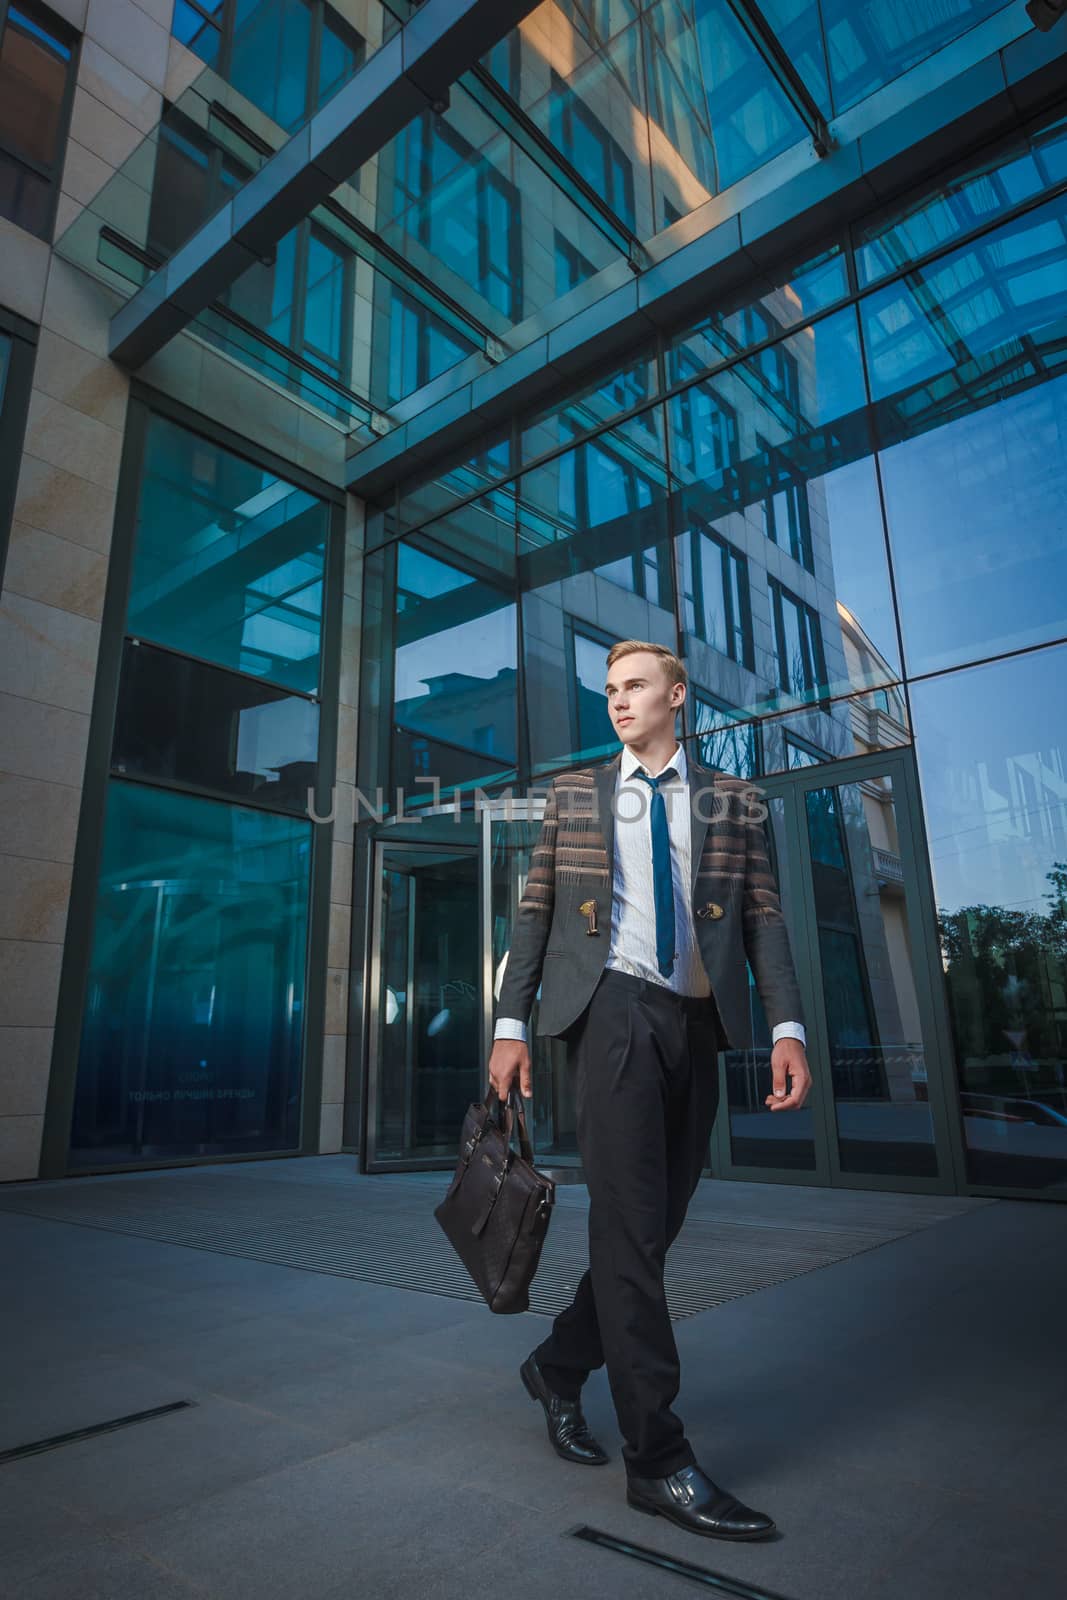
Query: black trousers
(646, 1087)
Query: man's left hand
(788, 1059)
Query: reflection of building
(338, 453)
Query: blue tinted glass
(181, 721)
(748, 318)
(340, 52)
(772, 475)
(5, 363)
(228, 561)
(978, 530)
(324, 303)
(970, 326)
(713, 81)
(871, 45)
(455, 686)
(194, 1014)
(963, 203)
(191, 26)
(991, 744)
(421, 346)
(593, 548)
(270, 57)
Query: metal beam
(985, 82)
(412, 71)
(764, 39)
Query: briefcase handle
(493, 1105)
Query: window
(594, 733)
(777, 366)
(572, 268)
(229, 561)
(421, 346)
(786, 513)
(460, 209)
(286, 56)
(598, 158)
(301, 298)
(715, 595)
(703, 425)
(798, 644)
(16, 372)
(723, 740)
(36, 88)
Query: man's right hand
(507, 1059)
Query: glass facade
(834, 484)
(194, 1033)
(860, 557)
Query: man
(649, 885)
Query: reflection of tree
(1007, 975)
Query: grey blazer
(562, 927)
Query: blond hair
(672, 666)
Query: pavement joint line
(722, 1582)
(55, 1441)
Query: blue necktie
(662, 881)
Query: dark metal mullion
(770, 47)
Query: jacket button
(712, 909)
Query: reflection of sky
(478, 648)
(978, 526)
(991, 744)
(857, 550)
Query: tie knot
(664, 777)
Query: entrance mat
(317, 1214)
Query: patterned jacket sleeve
(766, 937)
(533, 919)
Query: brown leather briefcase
(497, 1208)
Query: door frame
(394, 835)
(920, 909)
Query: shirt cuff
(788, 1030)
(510, 1028)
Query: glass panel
(992, 750)
(428, 1004)
(34, 66)
(593, 567)
(229, 558)
(5, 366)
(878, 1059)
(745, 318)
(181, 721)
(33, 81)
(758, 1137)
(1029, 165)
(780, 550)
(194, 1014)
(552, 1128)
(420, 498)
(197, 26)
(977, 528)
(455, 677)
(975, 507)
(581, 81)
(974, 326)
(871, 45)
(722, 110)
(269, 57)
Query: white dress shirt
(632, 947)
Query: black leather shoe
(567, 1429)
(689, 1498)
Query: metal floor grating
(318, 1214)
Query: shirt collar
(629, 763)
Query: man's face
(640, 700)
